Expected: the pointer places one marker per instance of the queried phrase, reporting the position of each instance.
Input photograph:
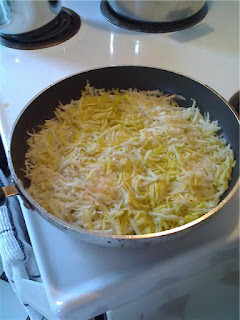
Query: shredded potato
(128, 162)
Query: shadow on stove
(187, 35)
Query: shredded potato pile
(128, 162)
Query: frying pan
(43, 105)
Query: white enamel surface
(83, 280)
(189, 299)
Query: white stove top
(83, 280)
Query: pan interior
(142, 78)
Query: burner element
(62, 28)
(151, 27)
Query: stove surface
(83, 280)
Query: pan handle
(6, 192)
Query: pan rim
(74, 229)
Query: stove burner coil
(151, 27)
(63, 27)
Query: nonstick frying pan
(43, 105)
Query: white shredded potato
(128, 162)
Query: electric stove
(79, 280)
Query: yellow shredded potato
(128, 162)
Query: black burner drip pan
(62, 28)
(151, 27)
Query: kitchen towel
(15, 248)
